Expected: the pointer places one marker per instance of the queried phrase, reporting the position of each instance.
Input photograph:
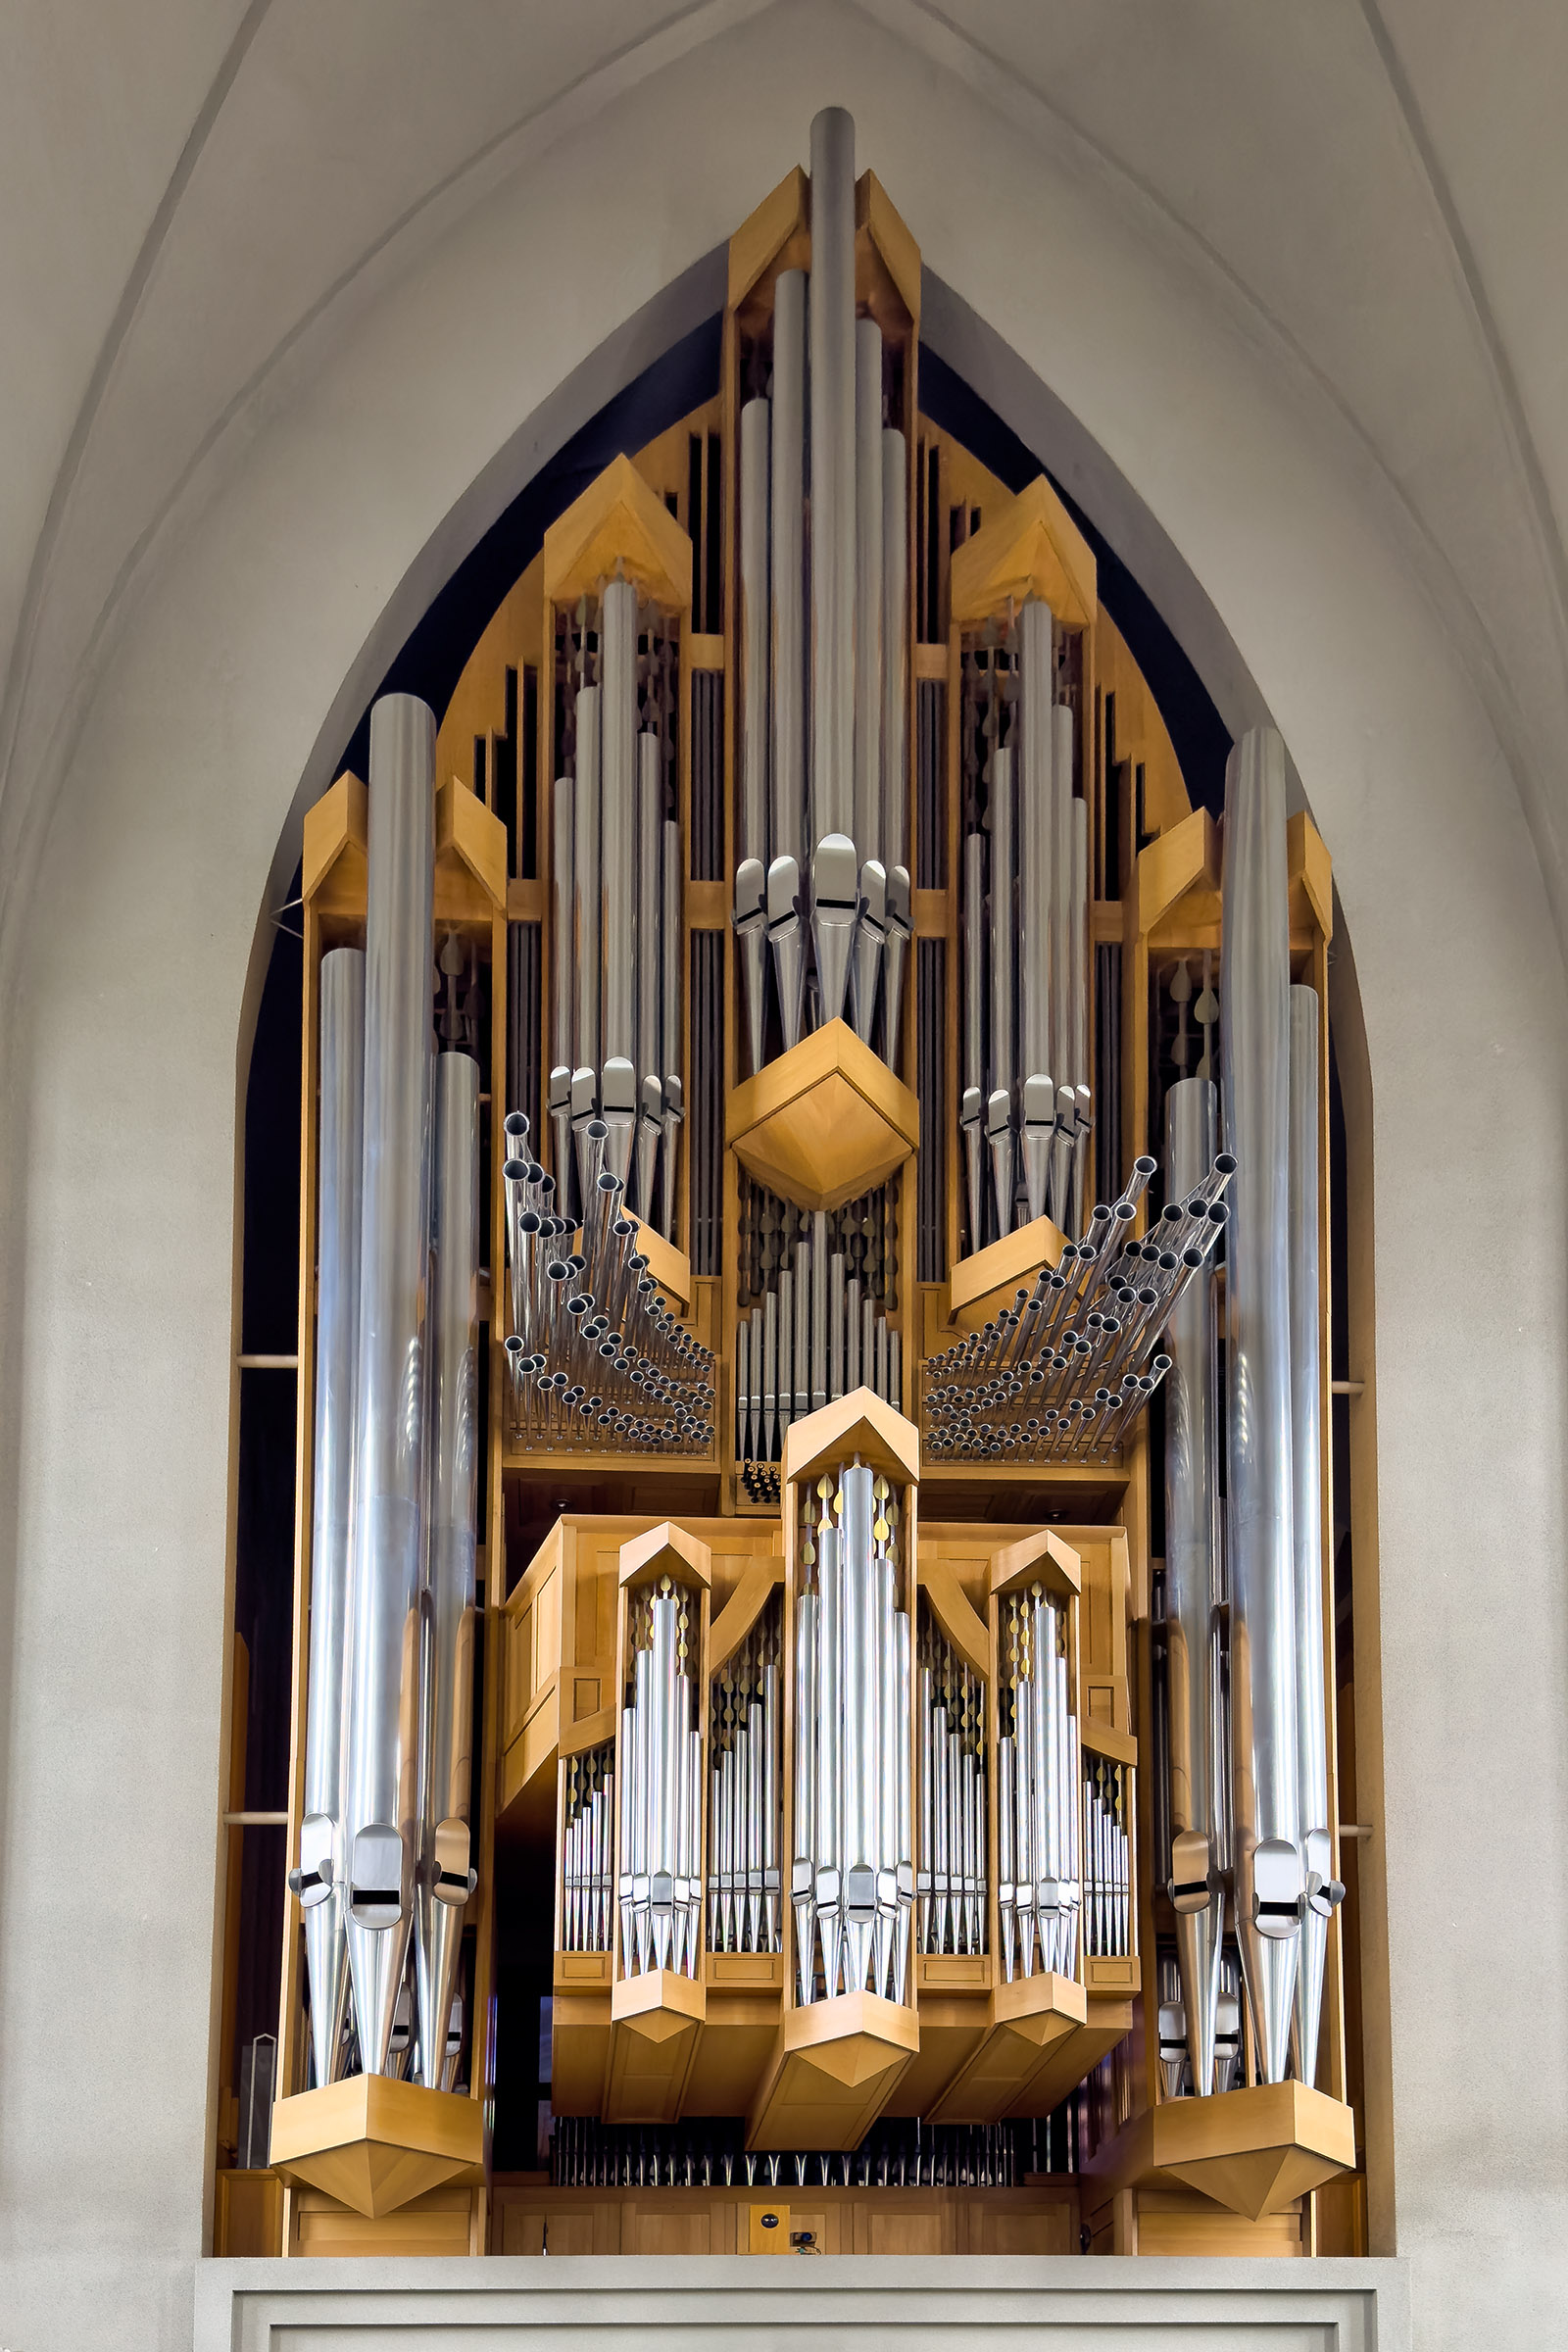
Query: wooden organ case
(821, 1655)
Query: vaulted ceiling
(192, 192)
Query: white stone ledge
(961, 2303)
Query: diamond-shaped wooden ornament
(373, 2142)
(1032, 548)
(618, 528)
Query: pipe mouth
(1225, 1164)
(529, 1222)
(515, 1123)
(1143, 1165)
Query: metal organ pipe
(662, 1779)
(389, 1459)
(617, 672)
(751, 918)
(789, 569)
(868, 589)
(562, 917)
(320, 1879)
(895, 826)
(1264, 1667)
(1191, 1602)
(586, 872)
(447, 1611)
(652, 952)
(853, 1883)
(1322, 1891)
(833, 485)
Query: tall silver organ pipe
(586, 885)
(653, 952)
(389, 1461)
(833, 487)
(447, 1610)
(852, 1878)
(562, 917)
(618, 718)
(1078, 960)
(868, 589)
(1036, 800)
(895, 825)
(1264, 1666)
(671, 950)
(661, 1787)
(320, 1876)
(1063, 976)
(756, 715)
(895, 836)
(788, 550)
(1322, 1891)
(1038, 1779)
(1193, 1595)
(998, 1112)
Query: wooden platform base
(528, 2217)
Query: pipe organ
(818, 1417)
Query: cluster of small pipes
(1038, 1874)
(951, 1886)
(1025, 929)
(1056, 1377)
(660, 1884)
(820, 1327)
(1108, 1881)
(824, 596)
(744, 1913)
(587, 1867)
(616, 924)
(595, 1356)
(852, 1880)
(901, 2153)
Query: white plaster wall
(321, 536)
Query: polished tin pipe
(387, 1550)
(1191, 1601)
(618, 831)
(869, 566)
(833, 486)
(587, 881)
(1255, 1057)
(788, 552)
(672, 951)
(1036, 798)
(447, 1612)
(562, 923)
(1307, 1526)
(895, 826)
(757, 424)
(321, 1877)
(648, 1008)
(1003, 1074)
